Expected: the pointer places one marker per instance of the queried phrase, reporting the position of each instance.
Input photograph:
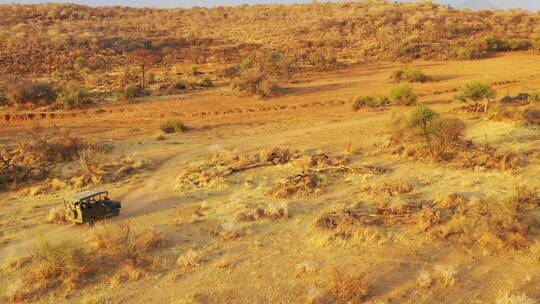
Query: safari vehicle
(90, 206)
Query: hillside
(37, 39)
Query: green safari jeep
(90, 206)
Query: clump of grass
(507, 298)
(190, 258)
(347, 286)
(424, 279)
(369, 101)
(403, 94)
(230, 231)
(410, 74)
(446, 275)
(172, 126)
(301, 184)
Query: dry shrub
(424, 279)
(508, 298)
(507, 225)
(277, 155)
(348, 217)
(446, 275)
(172, 126)
(391, 188)
(35, 159)
(273, 211)
(325, 159)
(499, 227)
(230, 230)
(190, 258)
(219, 166)
(256, 82)
(128, 272)
(370, 101)
(117, 243)
(112, 248)
(489, 158)
(90, 161)
(347, 286)
(528, 115)
(53, 265)
(300, 184)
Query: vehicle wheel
(91, 222)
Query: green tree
(475, 92)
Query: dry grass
(273, 211)
(300, 184)
(190, 258)
(229, 231)
(67, 267)
(508, 298)
(347, 286)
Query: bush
(403, 94)
(256, 82)
(534, 96)
(74, 96)
(369, 101)
(471, 51)
(495, 44)
(438, 133)
(536, 44)
(410, 74)
(132, 91)
(18, 91)
(474, 93)
(323, 63)
(519, 44)
(173, 125)
(181, 84)
(205, 83)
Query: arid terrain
(293, 199)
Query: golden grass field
(232, 239)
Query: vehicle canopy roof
(85, 195)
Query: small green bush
(495, 44)
(173, 125)
(438, 133)
(368, 101)
(403, 94)
(519, 44)
(474, 93)
(471, 51)
(410, 74)
(73, 96)
(132, 91)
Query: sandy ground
(286, 260)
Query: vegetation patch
(402, 94)
(300, 184)
(410, 74)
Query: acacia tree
(144, 59)
(475, 92)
